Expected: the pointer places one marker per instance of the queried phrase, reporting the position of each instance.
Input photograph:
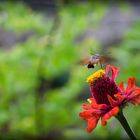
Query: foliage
(22, 19)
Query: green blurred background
(42, 84)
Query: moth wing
(102, 60)
(106, 59)
(85, 61)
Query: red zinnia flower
(108, 98)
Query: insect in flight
(93, 60)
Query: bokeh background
(42, 84)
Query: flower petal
(114, 71)
(131, 84)
(97, 106)
(120, 97)
(92, 123)
(122, 86)
(111, 100)
(86, 114)
(86, 107)
(135, 98)
(109, 114)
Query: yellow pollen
(98, 74)
(89, 101)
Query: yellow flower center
(98, 74)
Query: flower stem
(125, 125)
